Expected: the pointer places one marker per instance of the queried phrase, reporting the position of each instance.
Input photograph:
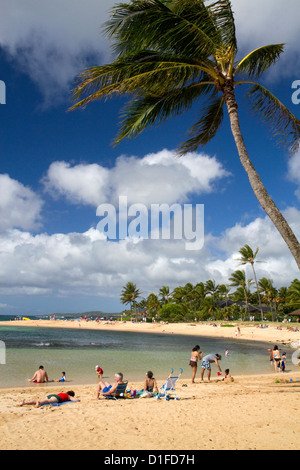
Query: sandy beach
(253, 412)
(271, 334)
(250, 413)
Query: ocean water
(134, 353)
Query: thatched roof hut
(296, 313)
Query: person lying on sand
(51, 399)
(106, 388)
(40, 376)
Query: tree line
(208, 300)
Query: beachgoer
(227, 352)
(276, 358)
(99, 372)
(108, 389)
(63, 378)
(59, 398)
(283, 361)
(206, 364)
(150, 385)
(194, 359)
(40, 376)
(228, 378)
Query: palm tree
(238, 279)
(130, 294)
(153, 304)
(248, 256)
(270, 293)
(172, 53)
(164, 294)
(294, 293)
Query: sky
(58, 167)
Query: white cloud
(20, 207)
(84, 183)
(88, 264)
(53, 40)
(155, 178)
(278, 264)
(259, 23)
(294, 171)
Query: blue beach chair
(169, 387)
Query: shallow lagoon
(134, 353)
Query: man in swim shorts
(40, 376)
(206, 364)
(108, 389)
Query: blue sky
(56, 167)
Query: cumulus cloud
(156, 178)
(80, 184)
(88, 264)
(277, 262)
(20, 207)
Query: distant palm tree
(270, 293)
(294, 293)
(238, 279)
(172, 53)
(153, 304)
(130, 294)
(164, 294)
(248, 256)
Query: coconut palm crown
(173, 54)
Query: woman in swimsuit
(194, 359)
(276, 357)
(150, 383)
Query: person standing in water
(196, 354)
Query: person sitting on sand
(40, 376)
(228, 378)
(51, 399)
(150, 385)
(206, 364)
(108, 389)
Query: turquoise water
(78, 351)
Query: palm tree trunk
(259, 190)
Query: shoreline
(247, 332)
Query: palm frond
(142, 74)
(259, 60)
(152, 110)
(222, 16)
(284, 125)
(181, 27)
(206, 128)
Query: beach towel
(58, 404)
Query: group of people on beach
(277, 359)
(40, 376)
(206, 363)
(150, 385)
